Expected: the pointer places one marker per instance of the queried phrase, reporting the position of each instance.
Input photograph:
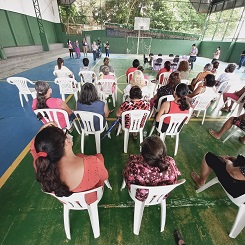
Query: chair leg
(126, 137)
(204, 115)
(163, 214)
(141, 135)
(21, 100)
(239, 222)
(107, 183)
(207, 185)
(94, 218)
(119, 129)
(82, 142)
(152, 129)
(232, 132)
(26, 97)
(63, 97)
(176, 144)
(162, 136)
(67, 222)
(123, 185)
(239, 111)
(97, 142)
(138, 213)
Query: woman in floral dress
(151, 168)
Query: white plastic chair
(234, 130)
(135, 119)
(239, 103)
(167, 97)
(177, 121)
(201, 102)
(239, 201)
(107, 87)
(60, 73)
(68, 86)
(156, 196)
(221, 89)
(84, 124)
(76, 201)
(130, 76)
(21, 84)
(165, 76)
(185, 81)
(88, 77)
(53, 115)
(145, 96)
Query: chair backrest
(130, 76)
(88, 76)
(167, 97)
(66, 84)
(77, 200)
(107, 86)
(137, 119)
(156, 193)
(201, 101)
(85, 121)
(21, 84)
(176, 123)
(56, 115)
(223, 87)
(60, 73)
(165, 76)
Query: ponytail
(184, 104)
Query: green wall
(21, 30)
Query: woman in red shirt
(179, 105)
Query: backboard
(141, 24)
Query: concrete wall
(48, 8)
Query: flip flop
(212, 133)
(194, 176)
(178, 237)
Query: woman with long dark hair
(44, 100)
(179, 105)
(65, 72)
(151, 168)
(62, 172)
(89, 101)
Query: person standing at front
(193, 55)
(107, 48)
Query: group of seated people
(61, 171)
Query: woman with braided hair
(151, 168)
(179, 105)
(44, 101)
(62, 172)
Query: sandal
(196, 177)
(178, 238)
(213, 133)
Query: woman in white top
(62, 71)
(206, 87)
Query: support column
(43, 36)
(2, 53)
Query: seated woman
(134, 67)
(207, 87)
(135, 103)
(166, 68)
(105, 74)
(173, 80)
(151, 168)
(183, 69)
(215, 67)
(179, 105)
(88, 100)
(229, 170)
(44, 101)
(62, 71)
(106, 63)
(236, 95)
(137, 80)
(141, 68)
(238, 121)
(62, 172)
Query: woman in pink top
(62, 172)
(179, 105)
(44, 100)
